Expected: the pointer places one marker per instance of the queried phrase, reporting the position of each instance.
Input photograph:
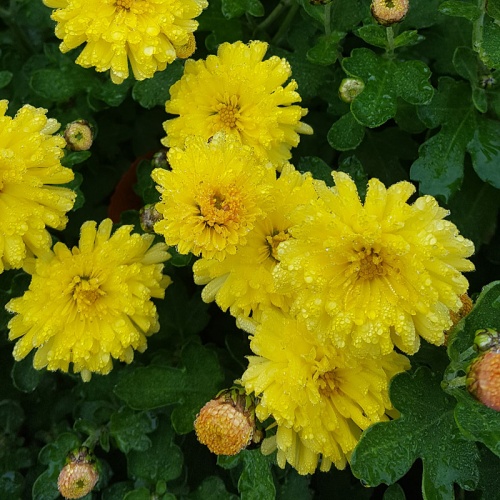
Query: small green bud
(350, 88)
(78, 135)
(149, 216)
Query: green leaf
(130, 429)
(385, 80)
(236, 8)
(162, 461)
(256, 481)
(346, 133)
(468, 66)
(5, 78)
(156, 91)
(489, 480)
(374, 34)
(479, 423)
(489, 45)
(458, 8)
(326, 50)
(493, 8)
(319, 169)
(394, 492)
(426, 429)
(439, 168)
(407, 38)
(478, 221)
(212, 488)
(24, 377)
(72, 158)
(189, 387)
(484, 148)
(296, 487)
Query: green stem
(275, 14)
(285, 24)
(328, 18)
(390, 40)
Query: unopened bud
(226, 424)
(186, 50)
(79, 476)
(149, 216)
(350, 88)
(78, 135)
(487, 339)
(388, 12)
(160, 160)
(483, 379)
(487, 81)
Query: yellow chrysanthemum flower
(320, 397)
(243, 281)
(30, 170)
(147, 33)
(377, 273)
(213, 196)
(238, 92)
(90, 304)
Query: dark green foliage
(429, 113)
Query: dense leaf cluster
(429, 113)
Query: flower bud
(186, 50)
(79, 476)
(226, 424)
(487, 339)
(483, 379)
(78, 135)
(160, 160)
(388, 12)
(350, 88)
(149, 216)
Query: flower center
(219, 208)
(328, 384)
(273, 241)
(371, 264)
(229, 112)
(124, 4)
(86, 291)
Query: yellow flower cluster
(31, 174)
(325, 284)
(92, 303)
(148, 34)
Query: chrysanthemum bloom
(148, 33)
(213, 196)
(238, 92)
(373, 274)
(90, 304)
(321, 397)
(243, 281)
(30, 171)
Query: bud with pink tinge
(226, 424)
(388, 12)
(79, 476)
(483, 376)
